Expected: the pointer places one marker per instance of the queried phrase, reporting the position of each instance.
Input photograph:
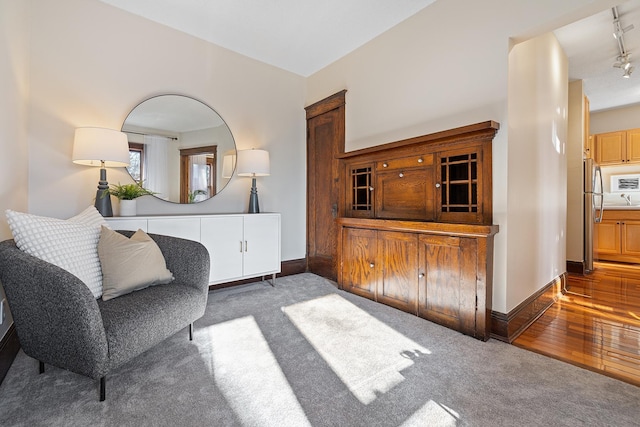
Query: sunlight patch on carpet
(248, 374)
(432, 414)
(367, 355)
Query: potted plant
(127, 194)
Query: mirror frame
(182, 174)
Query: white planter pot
(128, 207)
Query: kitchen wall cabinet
(620, 147)
(241, 246)
(617, 237)
(441, 272)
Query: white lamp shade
(253, 163)
(91, 146)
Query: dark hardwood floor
(595, 325)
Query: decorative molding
(287, 268)
(507, 327)
(9, 346)
(332, 102)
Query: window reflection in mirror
(177, 146)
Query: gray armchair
(59, 322)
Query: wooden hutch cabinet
(417, 230)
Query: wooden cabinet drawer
(405, 162)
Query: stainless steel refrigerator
(593, 207)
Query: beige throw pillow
(130, 264)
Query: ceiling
(592, 51)
(303, 36)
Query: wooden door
(610, 147)
(447, 281)
(398, 254)
(606, 238)
(633, 146)
(325, 140)
(360, 268)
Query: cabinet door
(185, 228)
(611, 147)
(630, 233)
(223, 238)
(398, 286)
(606, 238)
(447, 286)
(459, 181)
(359, 191)
(360, 270)
(633, 146)
(261, 244)
(405, 194)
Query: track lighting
(623, 60)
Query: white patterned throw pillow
(70, 244)
(91, 217)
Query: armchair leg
(41, 367)
(190, 331)
(102, 389)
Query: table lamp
(104, 148)
(253, 163)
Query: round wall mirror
(179, 148)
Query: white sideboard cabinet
(241, 246)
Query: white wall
(92, 63)
(441, 69)
(615, 119)
(537, 184)
(14, 87)
(575, 183)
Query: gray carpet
(306, 354)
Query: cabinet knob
(420, 160)
(437, 185)
(384, 165)
(420, 276)
(370, 188)
(372, 265)
(400, 174)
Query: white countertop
(621, 207)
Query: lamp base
(254, 206)
(103, 198)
